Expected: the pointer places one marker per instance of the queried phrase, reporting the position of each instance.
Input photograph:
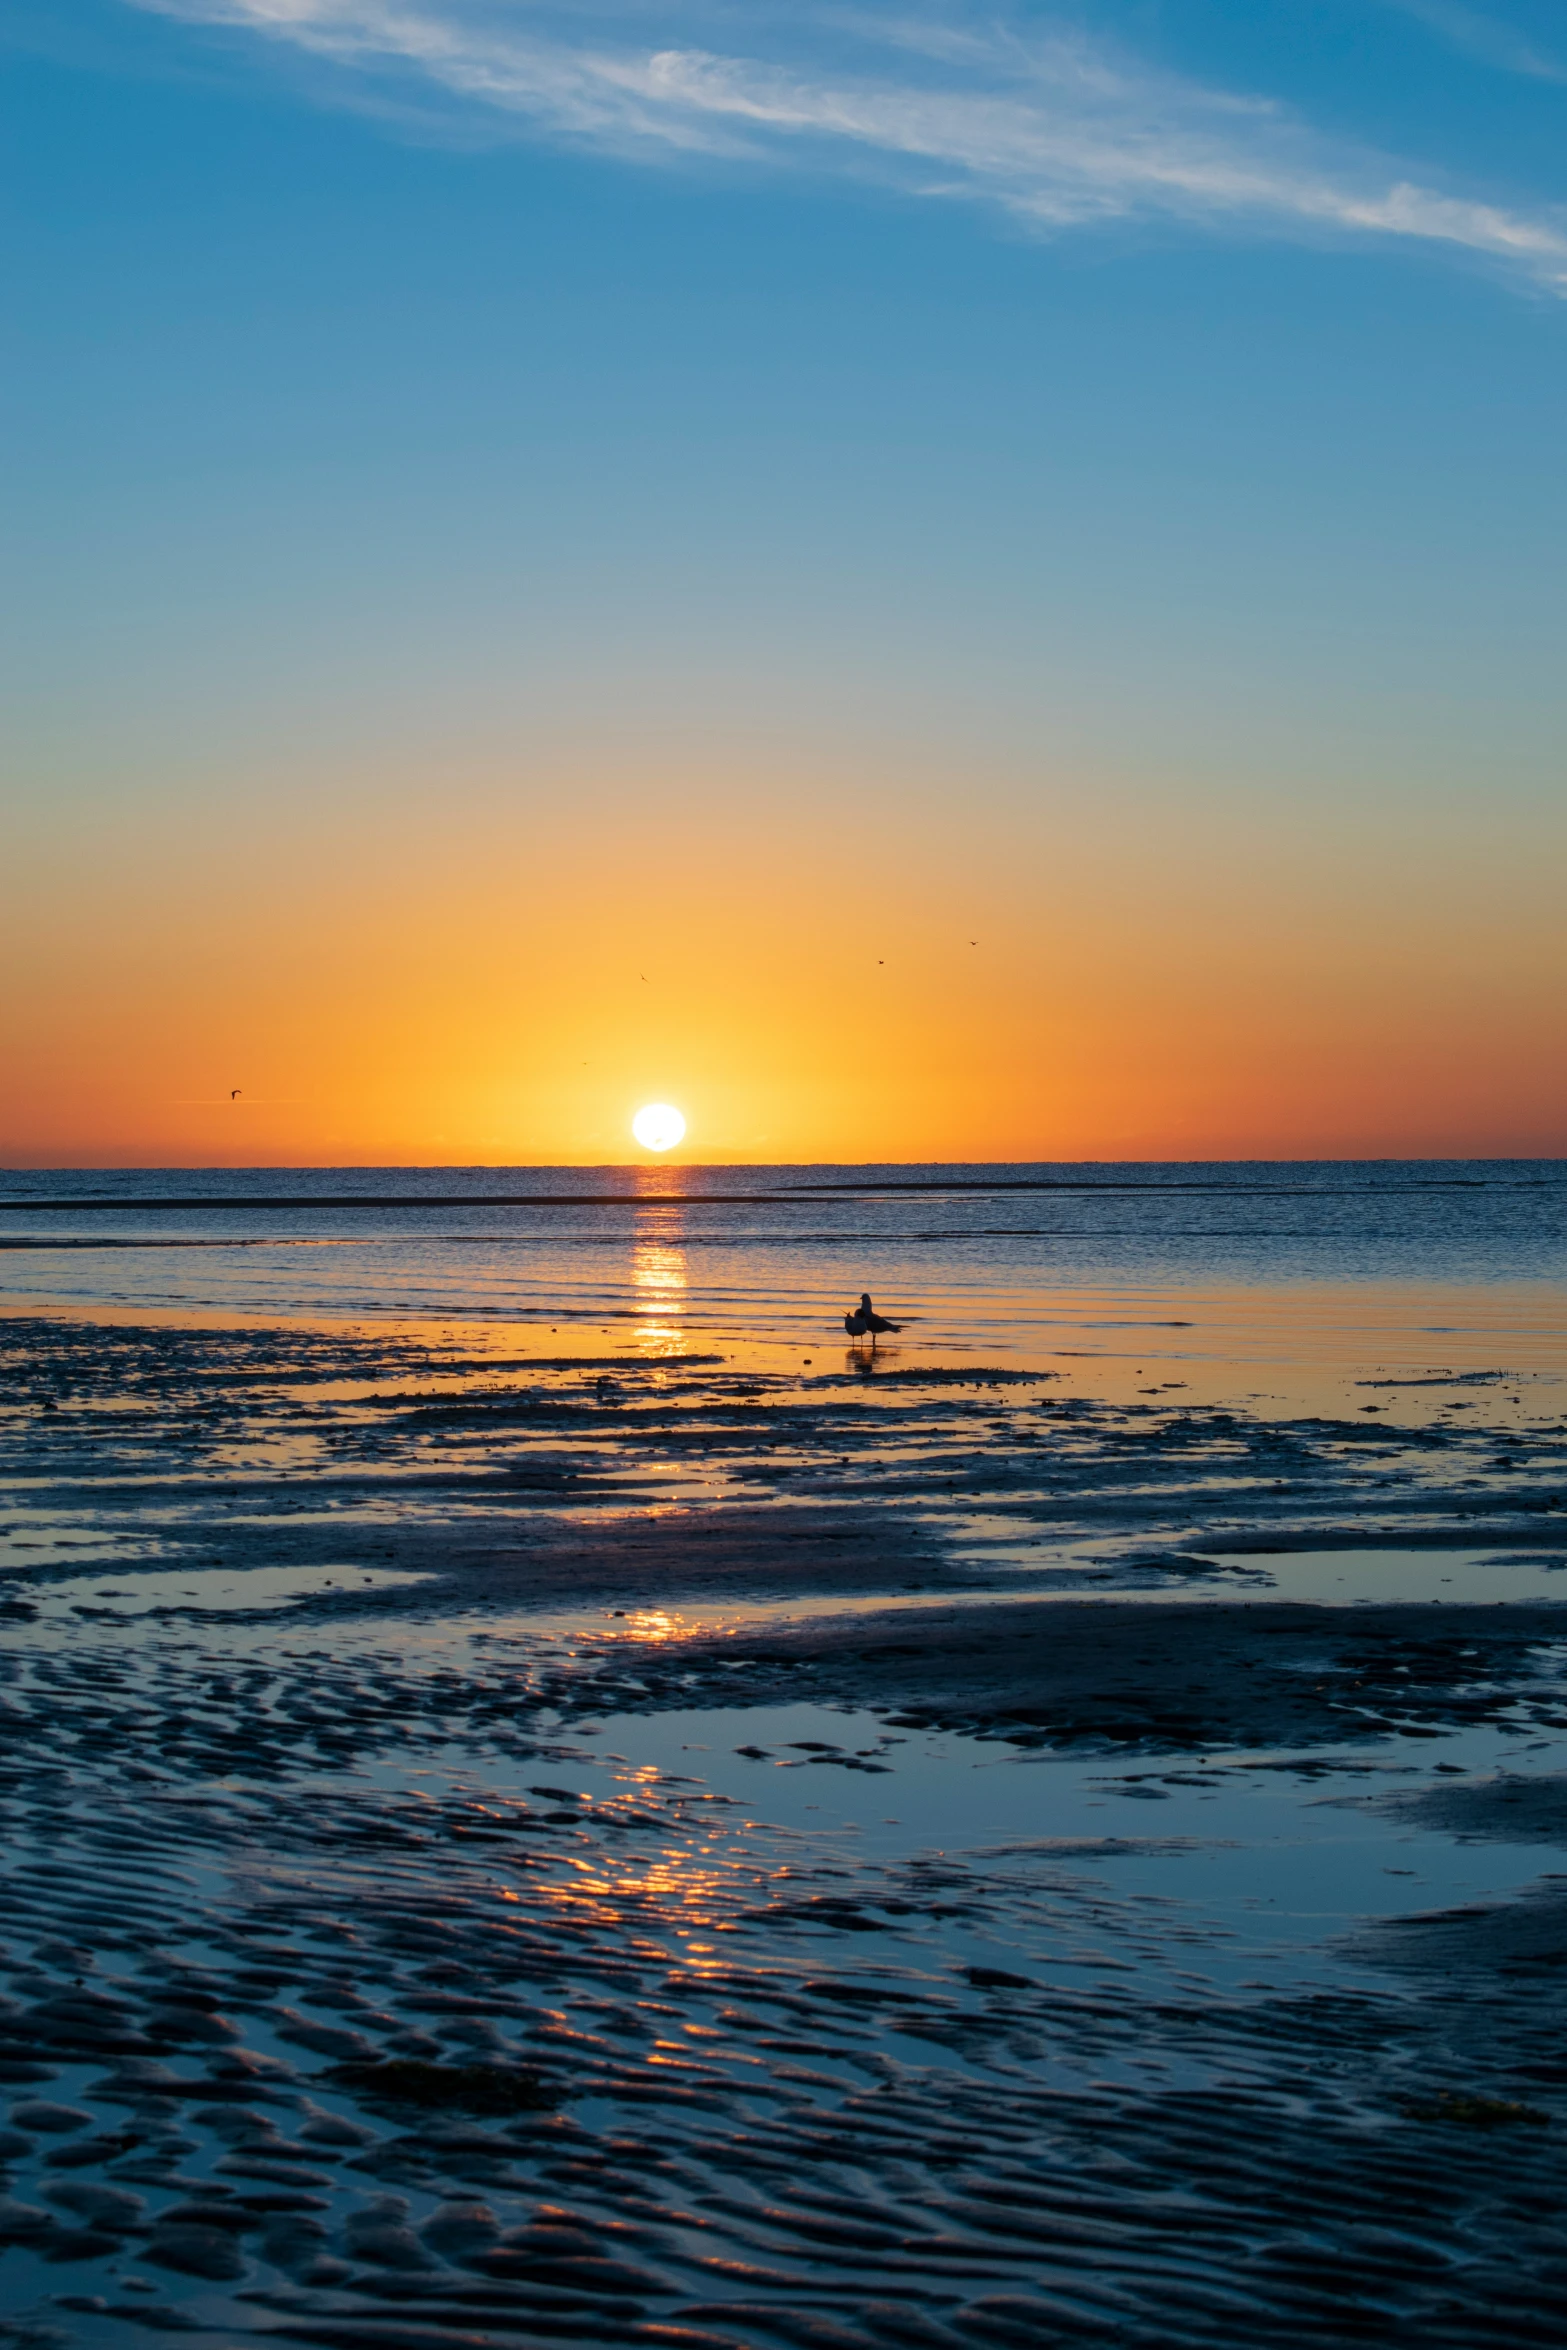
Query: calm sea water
(1432, 1264)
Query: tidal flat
(617, 1847)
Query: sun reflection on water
(659, 1282)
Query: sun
(658, 1127)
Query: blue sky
(1143, 407)
(1224, 340)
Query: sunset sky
(919, 582)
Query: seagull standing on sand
(865, 1321)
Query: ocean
(1312, 1270)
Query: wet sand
(732, 1796)
(1142, 1679)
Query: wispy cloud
(1492, 39)
(945, 102)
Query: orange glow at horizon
(880, 979)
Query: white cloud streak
(1058, 131)
(1490, 38)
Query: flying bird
(866, 1322)
(234, 1093)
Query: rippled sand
(721, 1794)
